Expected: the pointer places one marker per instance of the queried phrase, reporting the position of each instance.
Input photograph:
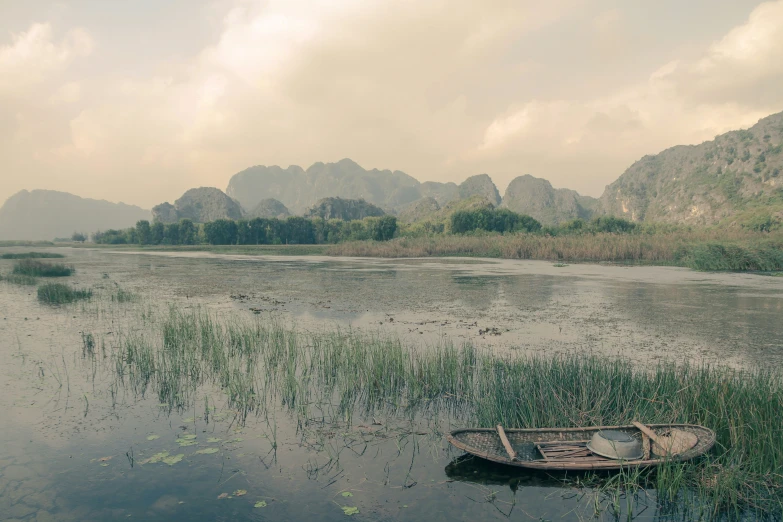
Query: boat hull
(485, 443)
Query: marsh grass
(259, 364)
(22, 280)
(35, 268)
(701, 250)
(32, 255)
(57, 293)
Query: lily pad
(104, 464)
(240, 492)
(188, 437)
(183, 442)
(350, 510)
(347, 494)
(156, 458)
(222, 496)
(174, 459)
(260, 504)
(207, 451)
(238, 439)
(214, 439)
(153, 437)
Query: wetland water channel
(79, 444)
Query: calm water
(73, 442)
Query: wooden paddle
(675, 442)
(506, 444)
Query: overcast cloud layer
(140, 102)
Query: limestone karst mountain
(735, 178)
(200, 205)
(345, 209)
(537, 198)
(300, 189)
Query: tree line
(312, 231)
(258, 231)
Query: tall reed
(259, 364)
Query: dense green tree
(143, 232)
(382, 228)
(495, 220)
(171, 234)
(187, 232)
(221, 232)
(157, 232)
(611, 224)
(299, 231)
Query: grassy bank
(35, 268)
(260, 365)
(700, 250)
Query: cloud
(439, 89)
(735, 82)
(33, 56)
(68, 93)
(745, 66)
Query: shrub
(492, 220)
(612, 224)
(58, 293)
(31, 267)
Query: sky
(138, 101)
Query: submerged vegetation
(260, 365)
(34, 268)
(58, 293)
(32, 255)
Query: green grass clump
(23, 280)
(57, 293)
(33, 255)
(32, 267)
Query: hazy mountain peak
(49, 214)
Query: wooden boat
(566, 448)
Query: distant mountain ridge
(50, 214)
(300, 189)
(737, 178)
